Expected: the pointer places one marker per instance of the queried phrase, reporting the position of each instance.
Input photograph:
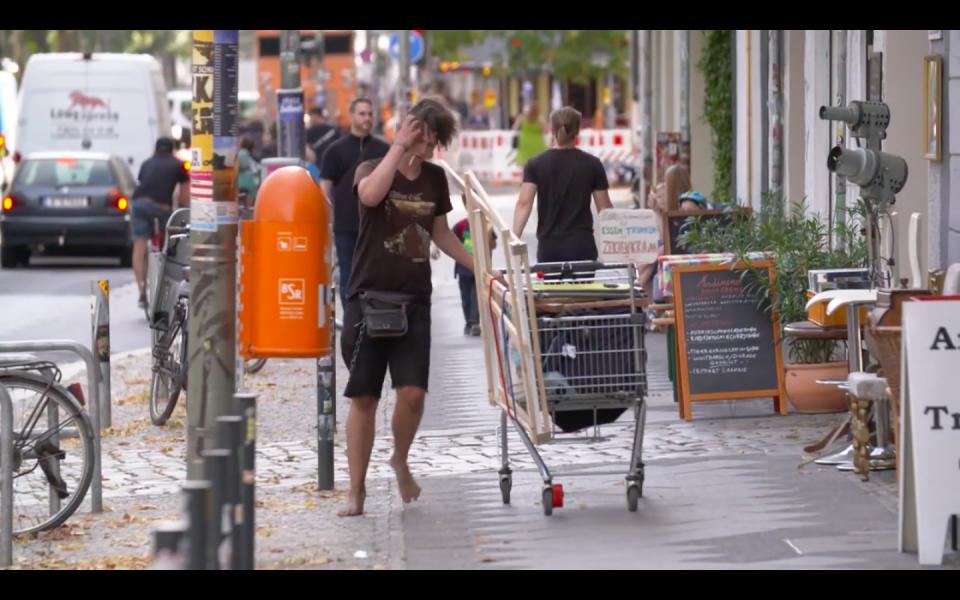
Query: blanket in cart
(592, 356)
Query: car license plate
(66, 202)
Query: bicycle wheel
(52, 452)
(254, 366)
(169, 349)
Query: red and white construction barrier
(492, 157)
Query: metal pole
(403, 82)
(775, 107)
(683, 36)
(290, 97)
(215, 471)
(247, 405)
(53, 424)
(6, 478)
(213, 239)
(229, 433)
(101, 343)
(198, 505)
(647, 127)
(840, 182)
(168, 543)
(326, 373)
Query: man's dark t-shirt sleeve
(600, 181)
(530, 172)
(330, 167)
(443, 205)
(363, 169)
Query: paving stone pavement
(723, 491)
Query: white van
(113, 103)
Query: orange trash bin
(286, 257)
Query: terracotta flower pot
(807, 396)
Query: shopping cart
(588, 358)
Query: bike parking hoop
(6, 478)
(93, 387)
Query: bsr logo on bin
(292, 292)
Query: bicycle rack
(93, 385)
(6, 478)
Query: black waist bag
(385, 313)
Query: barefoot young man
(403, 206)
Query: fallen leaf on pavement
(264, 531)
(144, 507)
(69, 547)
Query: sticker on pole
(203, 214)
(629, 236)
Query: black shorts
(408, 356)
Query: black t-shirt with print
(393, 248)
(565, 179)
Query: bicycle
(52, 458)
(153, 253)
(169, 319)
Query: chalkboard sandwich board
(728, 346)
(676, 223)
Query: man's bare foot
(409, 490)
(354, 507)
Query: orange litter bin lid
(290, 195)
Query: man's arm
(373, 188)
(521, 214)
(447, 241)
(601, 198)
(327, 186)
(184, 197)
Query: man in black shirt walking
(153, 200)
(336, 178)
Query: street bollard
(230, 437)
(215, 471)
(53, 424)
(6, 478)
(326, 419)
(247, 405)
(101, 344)
(198, 506)
(169, 540)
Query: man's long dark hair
(438, 118)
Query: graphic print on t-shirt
(413, 241)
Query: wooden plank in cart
(728, 346)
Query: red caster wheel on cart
(552, 497)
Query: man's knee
(364, 404)
(411, 395)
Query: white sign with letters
(628, 235)
(930, 425)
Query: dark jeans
(468, 300)
(345, 244)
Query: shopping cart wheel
(506, 483)
(633, 496)
(548, 500)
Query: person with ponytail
(563, 180)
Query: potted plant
(797, 243)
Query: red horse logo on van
(84, 102)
